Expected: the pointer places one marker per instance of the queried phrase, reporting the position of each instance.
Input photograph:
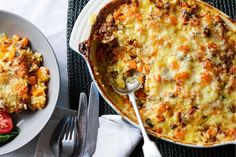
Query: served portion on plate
(185, 51)
(23, 82)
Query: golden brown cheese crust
(186, 54)
(23, 79)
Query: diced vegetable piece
(132, 64)
(160, 118)
(24, 42)
(173, 20)
(182, 76)
(212, 132)
(206, 78)
(32, 80)
(140, 68)
(116, 15)
(174, 65)
(158, 78)
(180, 134)
(184, 48)
(38, 90)
(43, 74)
(231, 132)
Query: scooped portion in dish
(185, 52)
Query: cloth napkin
(116, 137)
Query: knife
(82, 119)
(92, 121)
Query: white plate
(31, 123)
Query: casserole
(121, 104)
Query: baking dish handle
(75, 42)
(84, 48)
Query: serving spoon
(131, 85)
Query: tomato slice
(6, 124)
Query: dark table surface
(79, 81)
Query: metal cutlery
(73, 138)
(62, 135)
(92, 121)
(132, 84)
(69, 137)
(56, 136)
(82, 118)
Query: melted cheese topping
(22, 78)
(186, 57)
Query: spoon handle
(133, 101)
(149, 148)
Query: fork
(56, 136)
(69, 137)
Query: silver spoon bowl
(130, 86)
